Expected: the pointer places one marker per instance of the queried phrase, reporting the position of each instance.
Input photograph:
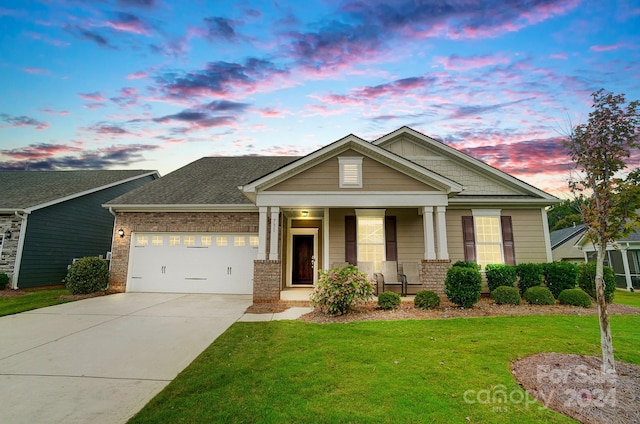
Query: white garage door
(192, 263)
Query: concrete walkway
(101, 360)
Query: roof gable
(30, 190)
(351, 143)
(478, 178)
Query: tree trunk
(606, 343)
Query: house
(263, 225)
(623, 256)
(48, 218)
(563, 244)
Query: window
(174, 240)
(488, 240)
(254, 241)
(221, 241)
(142, 240)
(189, 240)
(205, 240)
(350, 172)
(156, 241)
(370, 236)
(238, 241)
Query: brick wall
(266, 281)
(197, 222)
(9, 248)
(434, 272)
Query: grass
(32, 300)
(624, 297)
(377, 372)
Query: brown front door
(303, 260)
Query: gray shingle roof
(25, 189)
(559, 237)
(207, 181)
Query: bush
(426, 299)
(500, 275)
(467, 264)
(463, 285)
(539, 296)
(529, 275)
(505, 295)
(339, 289)
(88, 275)
(559, 276)
(587, 280)
(4, 281)
(575, 297)
(388, 300)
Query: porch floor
(301, 294)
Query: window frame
(343, 163)
(371, 213)
(483, 214)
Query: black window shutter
(390, 237)
(351, 242)
(507, 240)
(468, 237)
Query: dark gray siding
(72, 229)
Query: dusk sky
(156, 84)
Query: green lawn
(376, 372)
(32, 300)
(624, 297)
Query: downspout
(113, 232)
(21, 238)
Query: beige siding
(375, 175)
(568, 252)
(336, 234)
(475, 181)
(528, 234)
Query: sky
(157, 84)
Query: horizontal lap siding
(528, 234)
(336, 234)
(455, 240)
(410, 234)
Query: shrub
(339, 289)
(529, 275)
(559, 276)
(500, 275)
(388, 300)
(539, 296)
(4, 281)
(575, 297)
(505, 295)
(587, 280)
(467, 264)
(426, 299)
(463, 285)
(88, 275)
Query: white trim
(466, 203)
(273, 247)
(441, 232)
(380, 213)
(343, 162)
(466, 159)
(627, 269)
(84, 193)
(429, 238)
(547, 236)
(485, 212)
(262, 234)
(325, 238)
(301, 231)
(183, 208)
(350, 199)
(21, 239)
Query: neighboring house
(261, 225)
(623, 256)
(48, 218)
(563, 244)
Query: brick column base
(434, 272)
(266, 281)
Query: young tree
(600, 149)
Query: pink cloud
(37, 71)
(94, 97)
(608, 47)
(45, 39)
(127, 22)
(56, 112)
(457, 63)
(39, 151)
(561, 56)
(138, 75)
(93, 106)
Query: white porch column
(262, 233)
(627, 270)
(273, 247)
(441, 232)
(325, 239)
(429, 239)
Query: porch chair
(410, 276)
(367, 268)
(390, 276)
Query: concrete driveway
(101, 360)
